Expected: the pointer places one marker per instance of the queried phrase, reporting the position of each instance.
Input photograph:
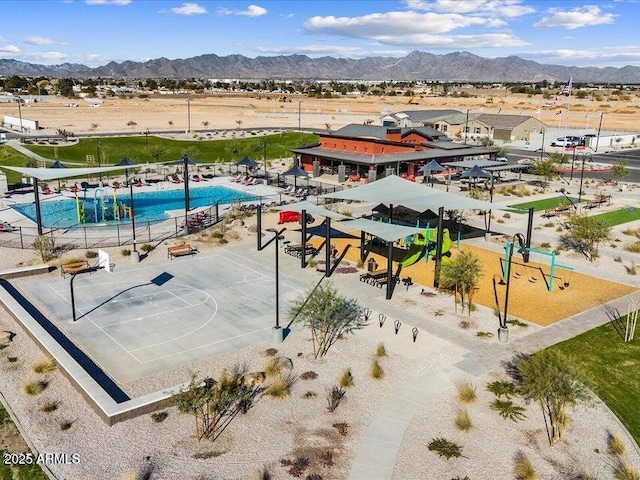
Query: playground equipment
(425, 245)
(566, 277)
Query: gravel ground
(276, 429)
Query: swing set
(565, 275)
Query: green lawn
(613, 369)
(14, 472)
(113, 149)
(618, 217)
(539, 205)
(8, 156)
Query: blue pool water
(149, 206)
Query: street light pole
(188, 115)
(584, 158)
(466, 127)
(20, 113)
(599, 127)
(299, 118)
(131, 213)
(542, 149)
(278, 333)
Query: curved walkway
(382, 439)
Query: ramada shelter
(372, 151)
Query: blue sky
(94, 32)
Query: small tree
(551, 380)
(45, 245)
(156, 151)
(585, 235)
(214, 404)
(547, 169)
(328, 315)
(462, 276)
(619, 170)
(132, 124)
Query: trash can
(372, 266)
(135, 257)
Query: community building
(371, 151)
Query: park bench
(592, 204)
(550, 212)
(180, 250)
(74, 267)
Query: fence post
(85, 238)
(21, 239)
(149, 230)
(118, 230)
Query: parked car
(502, 159)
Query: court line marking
(261, 273)
(181, 336)
(180, 298)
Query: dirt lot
(229, 112)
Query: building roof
(426, 115)
(413, 156)
(507, 122)
(379, 132)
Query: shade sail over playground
(385, 231)
(46, 174)
(393, 190)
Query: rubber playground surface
(529, 298)
(140, 320)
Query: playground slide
(416, 252)
(446, 244)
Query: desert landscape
(136, 115)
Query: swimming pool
(149, 206)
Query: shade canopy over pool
(46, 174)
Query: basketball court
(140, 320)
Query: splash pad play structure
(424, 246)
(106, 206)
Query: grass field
(618, 217)
(612, 368)
(544, 204)
(14, 472)
(140, 149)
(8, 156)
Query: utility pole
(599, 127)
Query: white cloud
(253, 11)
(615, 56)
(107, 2)
(578, 17)
(333, 50)
(501, 8)
(392, 24)
(35, 40)
(189, 9)
(57, 56)
(9, 49)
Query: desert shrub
(271, 352)
(91, 254)
(45, 367)
(125, 252)
(545, 245)
(631, 270)
(466, 392)
(502, 388)
(463, 420)
(334, 397)
(617, 259)
(342, 428)
(380, 350)
(506, 215)
(376, 370)
(34, 387)
(217, 234)
(633, 247)
(523, 468)
(517, 323)
(296, 467)
(622, 471)
(346, 378)
(274, 366)
(65, 425)
(507, 409)
(484, 334)
(280, 386)
(615, 446)
(445, 448)
(45, 245)
(310, 394)
(310, 375)
(159, 416)
(50, 406)
(223, 241)
(12, 359)
(146, 248)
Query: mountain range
(417, 65)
